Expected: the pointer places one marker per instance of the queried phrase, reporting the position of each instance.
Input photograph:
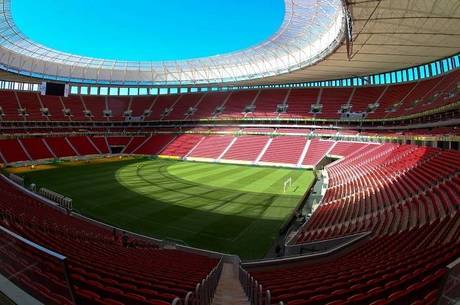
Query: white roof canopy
(311, 30)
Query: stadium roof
(310, 31)
(311, 45)
(388, 35)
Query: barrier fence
(61, 200)
(40, 272)
(204, 291)
(451, 292)
(17, 179)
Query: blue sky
(148, 29)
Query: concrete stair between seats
(229, 290)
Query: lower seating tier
(102, 264)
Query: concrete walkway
(229, 290)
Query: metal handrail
(205, 290)
(61, 258)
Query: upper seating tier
(375, 102)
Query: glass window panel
(104, 91)
(410, 75)
(114, 91)
(123, 91)
(445, 65)
(422, 72)
(133, 91)
(433, 69)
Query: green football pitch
(228, 208)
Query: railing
(354, 138)
(179, 246)
(40, 272)
(62, 201)
(255, 291)
(204, 291)
(44, 274)
(326, 245)
(451, 292)
(202, 294)
(17, 179)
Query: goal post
(287, 184)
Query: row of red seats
(379, 180)
(291, 150)
(246, 148)
(48, 148)
(286, 150)
(101, 268)
(409, 199)
(390, 101)
(28, 149)
(211, 147)
(316, 151)
(402, 268)
(78, 127)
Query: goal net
(287, 184)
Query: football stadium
(277, 152)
